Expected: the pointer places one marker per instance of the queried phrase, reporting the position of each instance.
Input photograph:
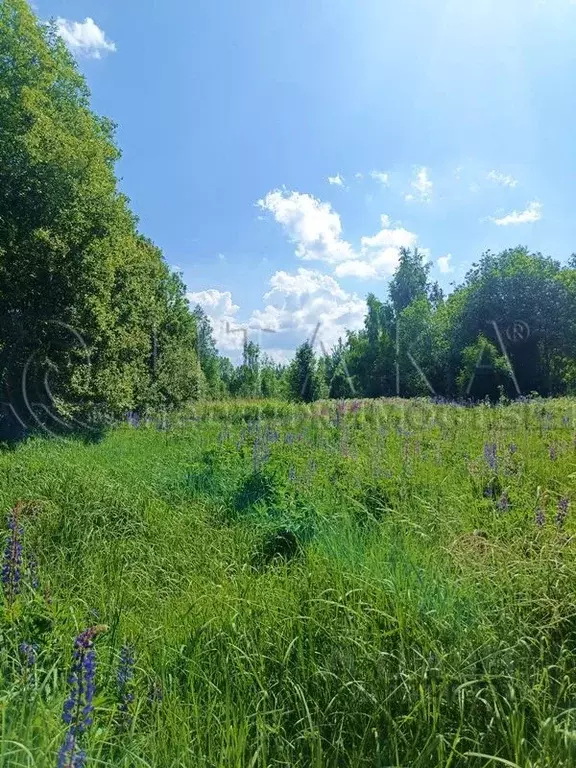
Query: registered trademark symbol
(518, 331)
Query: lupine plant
(12, 566)
(562, 511)
(124, 679)
(78, 707)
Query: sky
(280, 153)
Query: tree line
(509, 330)
(92, 318)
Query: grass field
(378, 583)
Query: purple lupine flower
(292, 474)
(12, 567)
(540, 517)
(124, 680)
(552, 452)
(562, 511)
(78, 707)
(490, 455)
(70, 756)
(29, 652)
(504, 502)
(513, 448)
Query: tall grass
(331, 585)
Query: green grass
(406, 620)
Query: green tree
(248, 374)
(83, 298)
(520, 302)
(410, 280)
(304, 382)
(207, 352)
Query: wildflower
(540, 517)
(78, 707)
(12, 568)
(513, 448)
(504, 503)
(552, 452)
(292, 474)
(29, 652)
(124, 680)
(490, 455)
(562, 512)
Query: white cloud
(379, 253)
(221, 311)
(359, 176)
(337, 180)
(312, 225)
(502, 179)
(422, 186)
(360, 269)
(294, 305)
(531, 214)
(396, 237)
(84, 37)
(380, 176)
(316, 229)
(444, 263)
(298, 302)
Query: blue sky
(280, 152)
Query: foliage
(90, 314)
(361, 582)
(303, 379)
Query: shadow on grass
(15, 430)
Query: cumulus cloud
(444, 263)
(84, 37)
(313, 226)
(316, 230)
(299, 304)
(379, 253)
(380, 176)
(337, 180)
(532, 213)
(422, 187)
(221, 312)
(502, 179)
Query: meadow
(361, 583)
